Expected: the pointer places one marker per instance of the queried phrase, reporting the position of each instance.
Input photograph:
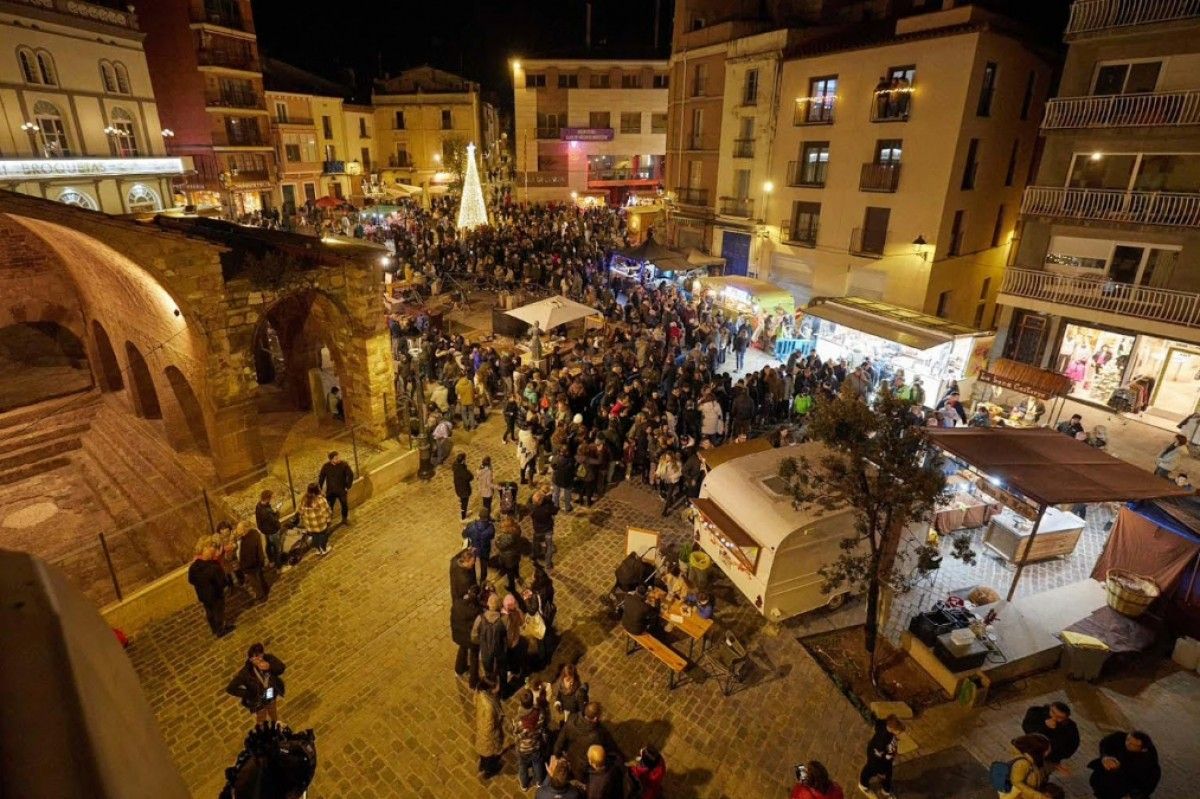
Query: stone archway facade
(107, 368)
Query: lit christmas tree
(471, 210)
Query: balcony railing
(799, 176)
(879, 177)
(251, 176)
(891, 105)
(235, 100)
(743, 148)
(400, 161)
(869, 242)
(1158, 109)
(796, 233)
(548, 133)
(1095, 15)
(814, 111)
(333, 167)
(291, 120)
(1113, 205)
(233, 59)
(1101, 294)
(686, 196)
(248, 138)
(737, 206)
(222, 18)
(621, 174)
(87, 10)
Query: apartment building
(204, 62)
(706, 44)
(1105, 287)
(589, 127)
(78, 119)
(899, 161)
(424, 117)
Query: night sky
(474, 38)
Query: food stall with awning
(1032, 475)
(1018, 394)
(924, 346)
(747, 295)
(648, 260)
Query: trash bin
(1083, 656)
(508, 497)
(700, 567)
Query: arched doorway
(143, 394)
(108, 370)
(40, 360)
(189, 405)
(298, 355)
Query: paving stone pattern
(365, 634)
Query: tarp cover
(1137, 544)
(552, 312)
(1051, 468)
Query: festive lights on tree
(471, 210)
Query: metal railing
(1101, 294)
(291, 120)
(1094, 15)
(868, 242)
(737, 206)
(236, 58)
(796, 233)
(814, 111)
(743, 148)
(879, 177)
(798, 175)
(251, 176)
(399, 162)
(621, 174)
(1154, 109)
(235, 100)
(891, 106)
(333, 167)
(686, 196)
(1113, 205)
(122, 560)
(243, 138)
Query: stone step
(42, 434)
(43, 412)
(32, 460)
(32, 470)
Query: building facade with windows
(589, 127)
(78, 119)
(207, 74)
(424, 118)
(899, 160)
(1105, 286)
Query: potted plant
(685, 556)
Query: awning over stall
(712, 458)
(650, 251)
(1050, 468)
(901, 325)
(1146, 542)
(552, 312)
(1041, 383)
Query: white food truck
(771, 551)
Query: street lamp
(768, 187)
(919, 245)
(32, 129)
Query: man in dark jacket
(479, 535)
(259, 684)
(741, 412)
(606, 777)
(462, 573)
(581, 731)
(563, 466)
(490, 633)
(464, 610)
(542, 516)
(1127, 768)
(267, 518)
(335, 478)
(639, 615)
(508, 552)
(208, 579)
(1053, 721)
(251, 560)
(462, 482)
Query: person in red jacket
(649, 770)
(812, 782)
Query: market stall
(746, 522)
(893, 338)
(747, 295)
(558, 317)
(965, 507)
(1019, 395)
(649, 261)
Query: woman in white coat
(710, 417)
(527, 447)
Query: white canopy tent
(552, 312)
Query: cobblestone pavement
(365, 634)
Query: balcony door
(1130, 78)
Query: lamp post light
(32, 129)
(112, 133)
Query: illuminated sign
(586, 134)
(542, 179)
(50, 168)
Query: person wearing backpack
(875, 779)
(490, 633)
(1024, 777)
(528, 729)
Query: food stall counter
(1008, 535)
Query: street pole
(1012, 589)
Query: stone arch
(41, 359)
(108, 369)
(190, 408)
(288, 341)
(141, 384)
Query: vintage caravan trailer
(771, 551)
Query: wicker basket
(1130, 594)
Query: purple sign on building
(586, 134)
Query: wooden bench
(665, 654)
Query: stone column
(236, 445)
(370, 393)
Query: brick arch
(142, 392)
(107, 368)
(189, 405)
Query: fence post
(354, 446)
(111, 571)
(212, 528)
(287, 463)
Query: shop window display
(1174, 369)
(1095, 360)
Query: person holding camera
(259, 684)
(813, 782)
